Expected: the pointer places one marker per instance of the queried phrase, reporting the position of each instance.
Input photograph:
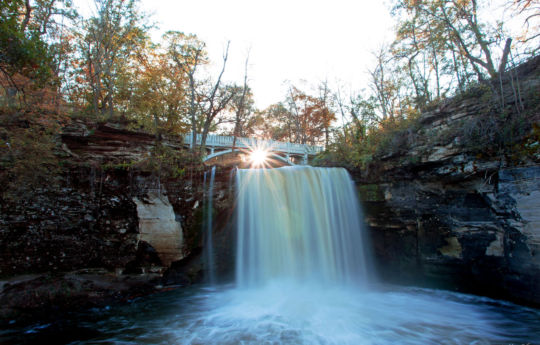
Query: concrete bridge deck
(219, 145)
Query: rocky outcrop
(88, 220)
(159, 228)
(103, 214)
(475, 235)
(449, 210)
(46, 297)
(109, 142)
(107, 210)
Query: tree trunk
(28, 11)
(204, 135)
(93, 85)
(240, 109)
(192, 109)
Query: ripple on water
(284, 313)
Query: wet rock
(146, 258)
(47, 297)
(445, 214)
(186, 271)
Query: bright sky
(288, 40)
(293, 40)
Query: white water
(208, 226)
(301, 280)
(296, 314)
(298, 224)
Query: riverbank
(47, 297)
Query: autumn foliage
(56, 65)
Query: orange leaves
(312, 116)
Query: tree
(159, 95)
(215, 100)
(421, 55)
(239, 105)
(531, 30)
(309, 116)
(31, 44)
(28, 73)
(188, 53)
(459, 22)
(325, 104)
(275, 123)
(385, 84)
(108, 44)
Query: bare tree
(383, 85)
(188, 53)
(325, 106)
(239, 114)
(215, 101)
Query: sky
(287, 40)
(304, 42)
(301, 41)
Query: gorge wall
(111, 226)
(445, 208)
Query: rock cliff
(112, 220)
(454, 204)
(452, 207)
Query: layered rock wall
(444, 211)
(102, 212)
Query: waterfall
(231, 182)
(208, 225)
(298, 223)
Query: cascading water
(208, 226)
(231, 182)
(300, 224)
(300, 274)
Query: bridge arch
(224, 152)
(216, 154)
(284, 159)
(279, 150)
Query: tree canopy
(107, 67)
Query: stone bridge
(289, 153)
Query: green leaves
(109, 45)
(22, 50)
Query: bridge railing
(227, 141)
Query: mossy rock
(370, 192)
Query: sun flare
(258, 156)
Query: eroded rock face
(475, 235)
(158, 227)
(109, 142)
(461, 217)
(191, 268)
(81, 223)
(522, 185)
(103, 216)
(91, 217)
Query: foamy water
(302, 278)
(288, 313)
